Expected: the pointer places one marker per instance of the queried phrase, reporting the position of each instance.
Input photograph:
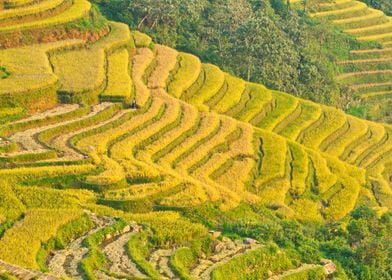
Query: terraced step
(65, 263)
(366, 77)
(376, 94)
(189, 67)
(68, 151)
(238, 145)
(368, 17)
(355, 9)
(32, 75)
(79, 9)
(365, 61)
(160, 261)
(42, 9)
(28, 138)
(117, 257)
(82, 72)
(370, 86)
(165, 62)
(119, 85)
(367, 52)
(335, 5)
(141, 61)
(9, 4)
(57, 111)
(23, 273)
(225, 251)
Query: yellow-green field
(98, 189)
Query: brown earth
(48, 35)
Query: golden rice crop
(84, 69)
(18, 3)
(30, 10)
(119, 36)
(357, 128)
(80, 70)
(374, 135)
(27, 235)
(191, 195)
(99, 142)
(189, 116)
(24, 173)
(310, 112)
(187, 74)
(357, 8)
(214, 79)
(299, 167)
(330, 120)
(227, 127)
(209, 125)
(166, 61)
(141, 61)
(10, 206)
(142, 40)
(139, 170)
(29, 68)
(235, 88)
(125, 147)
(371, 30)
(260, 96)
(325, 179)
(119, 83)
(344, 201)
(236, 177)
(274, 149)
(306, 210)
(112, 174)
(274, 192)
(9, 112)
(47, 198)
(372, 16)
(79, 9)
(239, 145)
(285, 104)
(142, 190)
(378, 153)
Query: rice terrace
(187, 139)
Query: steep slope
(78, 179)
(366, 72)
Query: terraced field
(93, 188)
(366, 72)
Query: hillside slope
(198, 136)
(366, 72)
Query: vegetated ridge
(81, 169)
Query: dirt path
(27, 139)
(160, 260)
(23, 273)
(66, 262)
(117, 256)
(60, 110)
(61, 142)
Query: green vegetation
(298, 58)
(208, 175)
(383, 5)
